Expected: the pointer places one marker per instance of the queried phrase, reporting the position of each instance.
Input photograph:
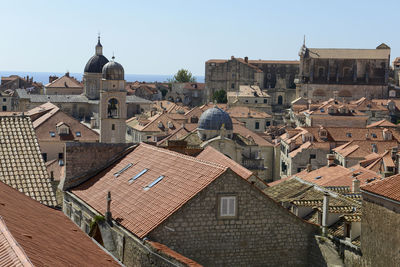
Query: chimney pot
(246, 59)
(325, 213)
(356, 186)
(309, 167)
(108, 212)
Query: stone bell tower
(112, 109)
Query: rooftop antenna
(304, 40)
(113, 57)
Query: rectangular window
(268, 123)
(78, 134)
(257, 125)
(4, 99)
(60, 155)
(312, 156)
(112, 127)
(265, 101)
(227, 206)
(4, 108)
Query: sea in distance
(43, 77)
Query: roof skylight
(118, 173)
(147, 187)
(137, 175)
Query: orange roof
(65, 82)
(213, 155)
(166, 250)
(59, 243)
(337, 175)
(143, 210)
(47, 122)
(11, 252)
(246, 112)
(382, 123)
(243, 131)
(389, 187)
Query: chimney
(325, 213)
(309, 167)
(356, 186)
(246, 59)
(67, 74)
(232, 57)
(331, 159)
(108, 212)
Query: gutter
(382, 197)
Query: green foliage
(183, 76)
(96, 219)
(220, 96)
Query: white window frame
(228, 206)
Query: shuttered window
(228, 206)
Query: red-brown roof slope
(47, 123)
(171, 253)
(11, 253)
(141, 210)
(213, 155)
(389, 187)
(65, 82)
(46, 235)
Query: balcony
(253, 164)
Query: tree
(220, 96)
(183, 76)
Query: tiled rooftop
(138, 205)
(213, 155)
(21, 164)
(47, 236)
(389, 187)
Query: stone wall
(349, 91)
(124, 246)
(263, 232)
(380, 239)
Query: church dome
(213, 118)
(96, 63)
(113, 71)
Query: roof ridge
(166, 151)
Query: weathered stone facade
(276, 77)
(262, 234)
(380, 239)
(346, 73)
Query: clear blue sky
(160, 37)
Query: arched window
(112, 110)
(280, 100)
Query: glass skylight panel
(118, 173)
(138, 175)
(52, 134)
(154, 183)
(78, 134)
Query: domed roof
(96, 63)
(113, 71)
(213, 118)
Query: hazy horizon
(161, 37)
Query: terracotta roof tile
(48, 120)
(65, 82)
(21, 164)
(59, 243)
(388, 187)
(11, 253)
(246, 112)
(213, 155)
(166, 250)
(143, 210)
